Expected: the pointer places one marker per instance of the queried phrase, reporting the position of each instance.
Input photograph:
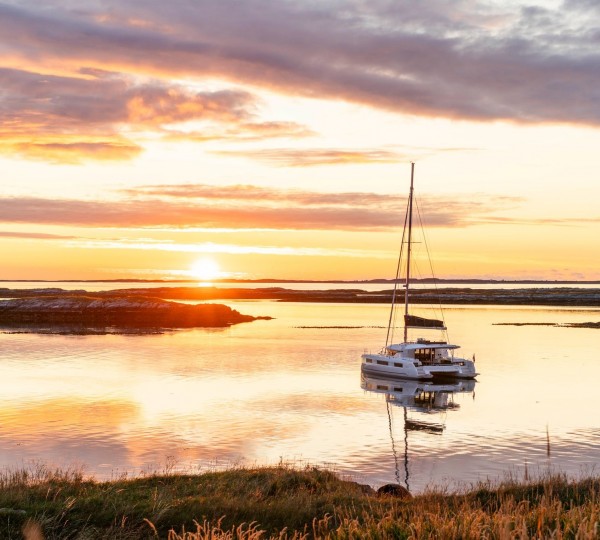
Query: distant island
(447, 281)
(153, 309)
(557, 296)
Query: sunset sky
(273, 139)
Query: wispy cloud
(248, 192)
(462, 59)
(34, 236)
(287, 157)
(247, 131)
(247, 207)
(211, 248)
(70, 152)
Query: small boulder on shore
(394, 490)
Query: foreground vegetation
(283, 502)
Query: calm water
(289, 389)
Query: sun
(205, 269)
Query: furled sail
(412, 321)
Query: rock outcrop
(123, 312)
(394, 490)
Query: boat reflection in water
(424, 406)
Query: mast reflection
(422, 400)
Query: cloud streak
(309, 157)
(211, 248)
(34, 236)
(463, 59)
(74, 152)
(246, 207)
(246, 131)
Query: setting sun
(205, 269)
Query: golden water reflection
(272, 390)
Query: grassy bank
(283, 502)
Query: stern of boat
(467, 369)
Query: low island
(529, 296)
(81, 313)
(146, 309)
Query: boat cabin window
(369, 361)
(397, 364)
(425, 355)
(382, 362)
(429, 356)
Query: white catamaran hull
(407, 368)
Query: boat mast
(410, 206)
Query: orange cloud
(34, 235)
(247, 131)
(70, 119)
(71, 152)
(157, 106)
(247, 207)
(286, 157)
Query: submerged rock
(123, 312)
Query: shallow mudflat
(559, 325)
(68, 313)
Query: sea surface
(289, 390)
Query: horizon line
(282, 280)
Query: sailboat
(421, 359)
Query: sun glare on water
(205, 270)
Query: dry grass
(286, 503)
